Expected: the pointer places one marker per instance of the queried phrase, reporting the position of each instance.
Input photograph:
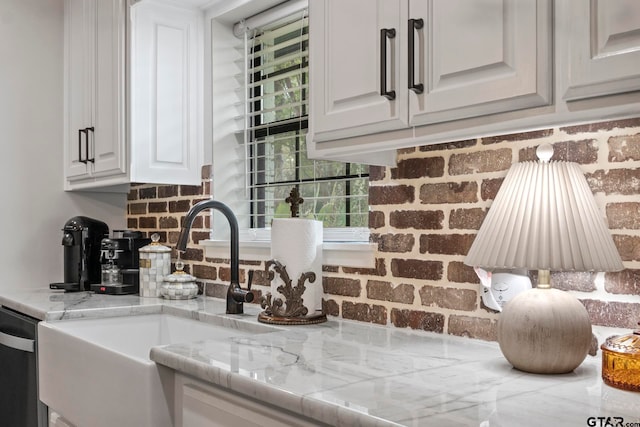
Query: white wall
(33, 204)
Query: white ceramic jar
(155, 265)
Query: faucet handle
(250, 279)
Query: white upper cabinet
(395, 64)
(133, 94)
(477, 58)
(355, 59)
(464, 69)
(602, 46)
(94, 90)
(167, 92)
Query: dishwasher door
(19, 404)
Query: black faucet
(236, 296)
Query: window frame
(257, 133)
(223, 61)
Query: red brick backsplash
(376, 219)
(341, 286)
(623, 282)
(364, 312)
(572, 281)
(615, 181)
(489, 188)
(473, 327)
(418, 219)
(628, 246)
(393, 242)
(452, 298)
(446, 244)
(613, 313)
(418, 319)
(419, 168)
(449, 192)
(624, 215)
(423, 218)
(480, 161)
(416, 269)
(391, 195)
(458, 272)
(385, 291)
(469, 219)
(623, 148)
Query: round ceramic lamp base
(544, 331)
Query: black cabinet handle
(414, 24)
(80, 132)
(384, 34)
(93, 157)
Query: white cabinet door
(77, 86)
(478, 58)
(601, 39)
(94, 89)
(109, 145)
(164, 79)
(349, 54)
(199, 404)
(471, 59)
(166, 94)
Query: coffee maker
(81, 240)
(120, 263)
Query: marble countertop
(350, 373)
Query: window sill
(348, 254)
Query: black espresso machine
(120, 263)
(81, 239)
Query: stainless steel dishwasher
(19, 404)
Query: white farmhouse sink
(97, 372)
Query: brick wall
(424, 214)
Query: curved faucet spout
(236, 296)
(183, 238)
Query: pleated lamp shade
(544, 218)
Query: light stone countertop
(351, 373)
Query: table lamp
(544, 218)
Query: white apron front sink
(97, 372)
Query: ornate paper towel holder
(291, 311)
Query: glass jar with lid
(621, 361)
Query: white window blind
(277, 89)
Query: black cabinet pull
(384, 34)
(93, 138)
(80, 132)
(414, 24)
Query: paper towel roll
(297, 244)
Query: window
(277, 90)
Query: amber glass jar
(621, 361)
